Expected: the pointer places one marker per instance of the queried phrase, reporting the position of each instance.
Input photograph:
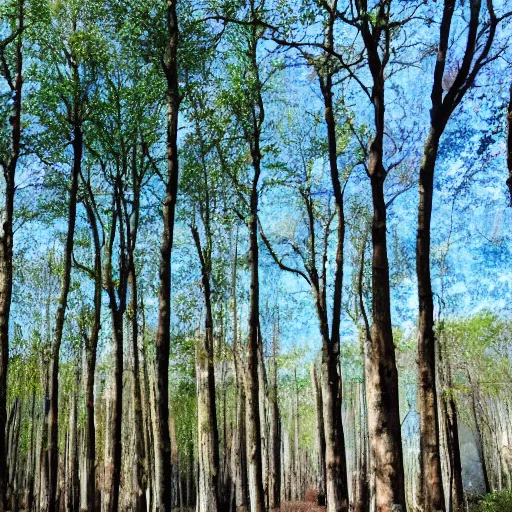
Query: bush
(496, 502)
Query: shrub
(496, 502)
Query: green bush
(496, 502)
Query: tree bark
(6, 239)
(274, 468)
(431, 494)
(335, 454)
(53, 387)
(207, 429)
(163, 468)
(91, 342)
(509, 145)
(73, 488)
(139, 495)
(480, 439)
(320, 433)
(451, 428)
(253, 427)
(382, 377)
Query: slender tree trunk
(509, 145)
(207, 429)
(139, 497)
(7, 187)
(91, 351)
(335, 454)
(274, 469)
(253, 428)
(239, 457)
(263, 399)
(449, 407)
(296, 448)
(431, 493)
(148, 412)
(163, 469)
(320, 433)
(53, 399)
(115, 422)
(361, 501)
(480, 440)
(73, 488)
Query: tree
(162, 441)
(11, 72)
(448, 90)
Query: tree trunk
(115, 422)
(449, 407)
(274, 448)
(147, 415)
(253, 430)
(73, 488)
(263, 398)
(382, 377)
(480, 441)
(139, 495)
(509, 145)
(335, 453)
(53, 399)
(7, 184)
(431, 494)
(320, 433)
(163, 469)
(91, 342)
(207, 429)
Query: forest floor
(300, 506)
(308, 505)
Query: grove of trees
(255, 253)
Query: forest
(255, 255)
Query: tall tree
(448, 89)
(11, 71)
(163, 338)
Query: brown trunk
(53, 399)
(253, 428)
(320, 433)
(139, 495)
(251, 378)
(451, 428)
(335, 455)
(382, 377)
(207, 429)
(8, 167)
(117, 293)
(263, 398)
(296, 450)
(479, 439)
(431, 494)
(115, 423)
(274, 447)
(163, 469)
(147, 413)
(239, 458)
(73, 487)
(91, 342)
(361, 500)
